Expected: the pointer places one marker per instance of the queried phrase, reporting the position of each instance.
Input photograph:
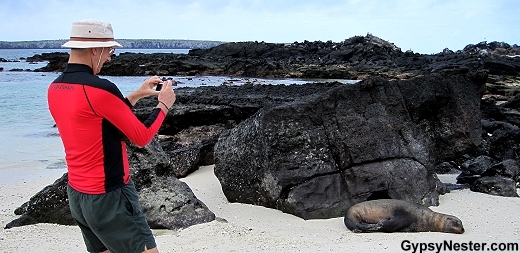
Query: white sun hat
(91, 34)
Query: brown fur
(393, 215)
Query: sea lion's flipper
(400, 219)
(359, 227)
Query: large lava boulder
(318, 155)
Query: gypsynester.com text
(448, 245)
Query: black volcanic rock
(228, 105)
(166, 201)
(320, 154)
(354, 58)
(472, 169)
(57, 61)
(495, 185)
(50, 205)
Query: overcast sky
(424, 26)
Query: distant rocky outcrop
(354, 58)
(126, 43)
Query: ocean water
(28, 140)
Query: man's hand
(146, 89)
(166, 96)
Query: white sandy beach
(487, 219)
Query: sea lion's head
(453, 224)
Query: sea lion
(393, 215)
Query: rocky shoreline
(411, 116)
(354, 58)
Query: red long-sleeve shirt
(92, 117)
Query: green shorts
(111, 221)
